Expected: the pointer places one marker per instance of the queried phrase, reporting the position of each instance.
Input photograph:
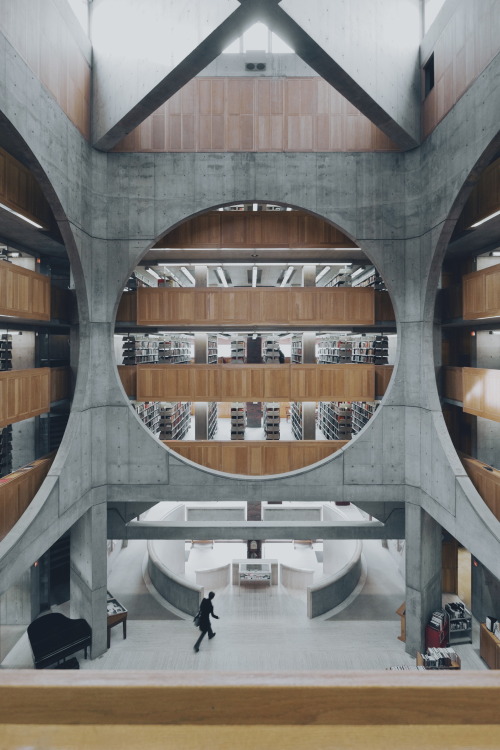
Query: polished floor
(260, 629)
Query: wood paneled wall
(486, 480)
(452, 383)
(484, 199)
(257, 114)
(41, 36)
(24, 394)
(20, 191)
(355, 382)
(60, 383)
(127, 308)
(128, 376)
(216, 229)
(61, 303)
(24, 293)
(481, 293)
(466, 46)
(18, 489)
(481, 389)
(293, 306)
(255, 457)
(383, 375)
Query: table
(235, 578)
(254, 572)
(116, 614)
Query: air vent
(255, 67)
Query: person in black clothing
(206, 609)
(281, 357)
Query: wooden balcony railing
(486, 480)
(255, 457)
(481, 293)
(481, 392)
(24, 394)
(452, 383)
(18, 489)
(24, 293)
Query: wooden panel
(384, 310)
(489, 647)
(42, 36)
(128, 376)
(452, 383)
(332, 382)
(486, 480)
(24, 394)
(484, 198)
(461, 52)
(449, 567)
(255, 382)
(20, 191)
(250, 306)
(481, 392)
(61, 303)
(250, 228)
(60, 383)
(24, 293)
(255, 457)
(481, 293)
(383, 375)
(127, 308)
(257, 114)
(18, 489)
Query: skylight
(258, 38)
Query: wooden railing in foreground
(18, 489)
(481, 293)
(486, 480)
(376, 710)
(24, 293)
(255, 457)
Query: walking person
(206, 609)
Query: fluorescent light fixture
(254, 276)
(173, 275)
(487, 218)
(336, 263)
(20, 216)
(228, 265)
(220, 274)
(153, 273)
(322, 273)
(255, 206)
(187, 274)
(356, 273)
(287, 275)
(14, 255)
(174, 265)
(495, 253)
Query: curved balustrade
(18, 489)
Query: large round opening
(255, 339)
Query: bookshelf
(371, 350)
(362, 412)
(5, 450)
(175, 350)
(460, 623)
(272, 421)
(335, 419)
(439, 658)
(5, 352)
(437, 629)
(238, 421)
(212, 419)
(212, 350)
(333, 350)
(297, 350)
(270, 350)
(149, 413)
(139, 349)
(174, 420)
(238, 351)
(296, 419)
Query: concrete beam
(144, 53)
(256, 529)
(367, 50)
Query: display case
(255, 572)
(460, 623)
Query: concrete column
(308, 420)
(309, 348)
(88, 574)
(201, 348)
(309, 275)
(201, 276)
(423, 574)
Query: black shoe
(211, 636)
(196, 649)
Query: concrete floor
(260, 629)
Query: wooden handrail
(18, 489)
(255, 457)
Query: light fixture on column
(322, 273)
(288, 274)
(254, 276)
(220, 274)
(188, 275)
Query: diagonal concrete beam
(145, 52)
(368, 50)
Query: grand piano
(53, 637)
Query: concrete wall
(333, 590)
(336, 552)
